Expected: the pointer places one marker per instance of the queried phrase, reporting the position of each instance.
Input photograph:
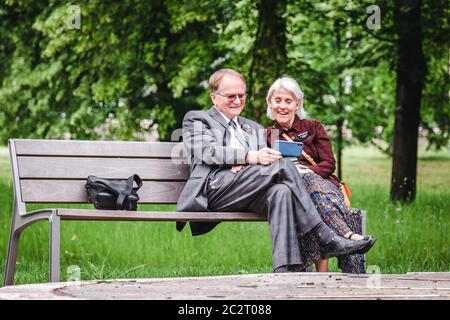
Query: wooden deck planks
(290, 286)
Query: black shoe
(289, 268)
(364, 250)
(281, 269)
(371, 239)
(296, 268)
(338, 246)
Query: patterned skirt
(329, 202)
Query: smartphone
(288, 149)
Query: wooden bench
(55, 171)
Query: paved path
(242, 287)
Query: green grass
(412, 237)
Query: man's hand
(264, 156)
(236, 168)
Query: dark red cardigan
(317, 144)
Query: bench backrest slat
(55, 171)
(88, 148)
(115, 168)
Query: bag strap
(309, 158)
(124, 195)
(138, 181)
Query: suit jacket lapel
(218, 117)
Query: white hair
(290, 85)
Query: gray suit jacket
(206, 137)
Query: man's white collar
(235, 119)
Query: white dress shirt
(234, 142)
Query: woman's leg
(353, 236)
(330, 204)
(353, 263)
(331, 209)
(322, 265)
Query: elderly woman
(285, 106)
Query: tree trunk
(411, 72)
(269, 58)
(339, 142)
(340, 120)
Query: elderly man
(233, 170)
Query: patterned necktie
(239, 136)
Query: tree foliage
(135, 65)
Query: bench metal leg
(55, 239)
(20, 223)
(363, 221)
(11, 257)
(13, 246)
(363, 229)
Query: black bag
(113, 194)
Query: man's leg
(230, 192)
(277, 204)
(246, 190)
(257, 189)
(309, 220)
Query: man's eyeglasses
(232, 97)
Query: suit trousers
(275, 190)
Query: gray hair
(290, 85)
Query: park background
(375, 73)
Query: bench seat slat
(116, 168)
(113, 215)
(73, 191)
(96, 148)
